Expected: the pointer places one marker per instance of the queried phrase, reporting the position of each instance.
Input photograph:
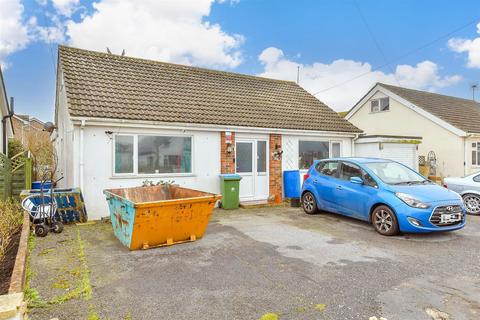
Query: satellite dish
(49, 127)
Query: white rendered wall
(98, 170)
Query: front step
(259, 204)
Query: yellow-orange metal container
(146, 217)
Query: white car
(469, 188)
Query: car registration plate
(450, 218)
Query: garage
(398, 148)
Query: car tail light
(306, 176)
(445, 185)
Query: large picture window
(476, 153)
(311, 150)
(152, 154)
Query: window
(310, 151)
(336, 149)
(124, 154)
(328, 168)
(164, 154)
(394, 173)
(244, 159)
(382, 104)
(476, 153)
(350, 170)
(476, 178)
(152, 154)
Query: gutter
(4, 125)
(204, 127)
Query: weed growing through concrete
(82, 289)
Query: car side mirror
(356, 180)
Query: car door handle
(339, 188)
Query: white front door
(251, 163)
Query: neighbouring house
(123, 120)
(448, 126)
(28, 128)
(6, 128)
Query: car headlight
(411, 201)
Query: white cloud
(320, 76)
(168, 30)
(13, 33)
(66, 7)
(471, 47)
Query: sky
(339, 49)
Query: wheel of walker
(57, 227)
(41, 230)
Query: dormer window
(379, 105)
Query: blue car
(389, 195)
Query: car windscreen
(395, 173)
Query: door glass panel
(262, 156)
(335, 149)
(244, 157)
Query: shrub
(14, 147)
(11, 218)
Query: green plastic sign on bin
(230, 187)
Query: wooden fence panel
(15, 175)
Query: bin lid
(291, 171)
(230, 176)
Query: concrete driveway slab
(252, 263)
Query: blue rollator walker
(42, 209)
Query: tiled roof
(461, 113)
(103, 85)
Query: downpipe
(4, 125)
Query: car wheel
(472, 203)
(309, 203)
(385, 221)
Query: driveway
(271, 263)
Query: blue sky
(331, 41)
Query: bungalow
(6, 129)
(122, 120)
(448, 126)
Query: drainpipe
(82, 127)
(357, 135)
(465, 154)
(4, 125)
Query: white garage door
(402, 152)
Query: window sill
(375, 112)
(158, 175)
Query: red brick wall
(275, 170)
(227, 159)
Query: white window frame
(329, 141)
(379, 101)
(477, 149)
(135, 157)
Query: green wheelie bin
(229, 188)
